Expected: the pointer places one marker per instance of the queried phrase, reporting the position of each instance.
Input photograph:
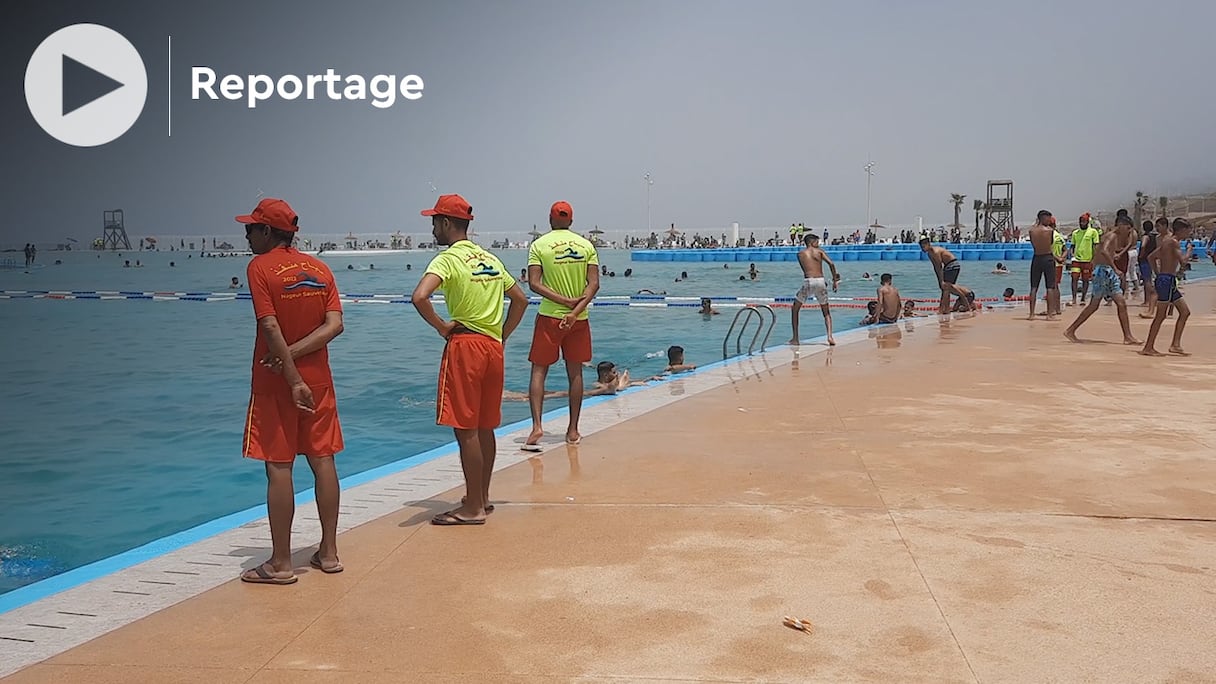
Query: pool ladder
(747, 313)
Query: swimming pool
(123, 418)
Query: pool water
(123, 419)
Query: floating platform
(981, 251)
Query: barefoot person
(562, 269)
(947, 268)
(1043, 264)
(292, 407)
(1105, 281)
(811, 259)
(888, 301)
(471, 372)
(1168, 260)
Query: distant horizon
(686, 111)
(235, 234)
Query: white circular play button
(86, 85)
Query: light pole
(869, 175)
(649, 182)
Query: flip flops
(315, 562)
(450, 518)
(261, 576)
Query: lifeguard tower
(998, 211)
(114, 231)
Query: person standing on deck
(562, 270)
(1058, 249)
(1148, 246)
(1043, 264)
(811, 259)
(471, 371)
(1084, 239)
(292, 406)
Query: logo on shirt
(484, 269)
(305, 280)
(569, 253)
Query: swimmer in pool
(675, 360)
(608, 381)
(910, 310)
(871, 316)
(707, 307)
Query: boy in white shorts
(812, 259)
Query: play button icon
(86, 85)
(82, 85)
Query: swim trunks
(470, 382)
(813, 287)
(951, 270)
(277, 431)
(1042, 267)
(1105, 282)
(549, 338)
(1166, 285)
(1146, 272)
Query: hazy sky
(757, 112)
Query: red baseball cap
(275, 213)
(561, 210)
(454, 206)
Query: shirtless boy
(1168, 259)
(1043, 265)
(1105, 281)
(888, 301)
(812, 259)
(948, 268)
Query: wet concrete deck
(975, 501)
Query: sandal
(261, 576)
(450, 518)
(315, 562)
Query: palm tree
(957, 200)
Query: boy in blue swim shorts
(1168, 260)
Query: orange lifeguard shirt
(297, 289)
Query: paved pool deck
(967, 500)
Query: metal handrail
(747, 312)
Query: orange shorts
(470, 383)
(277, 431)
(548, 338)
(1085, 268)
(1059, 274)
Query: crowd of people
(293, 408)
